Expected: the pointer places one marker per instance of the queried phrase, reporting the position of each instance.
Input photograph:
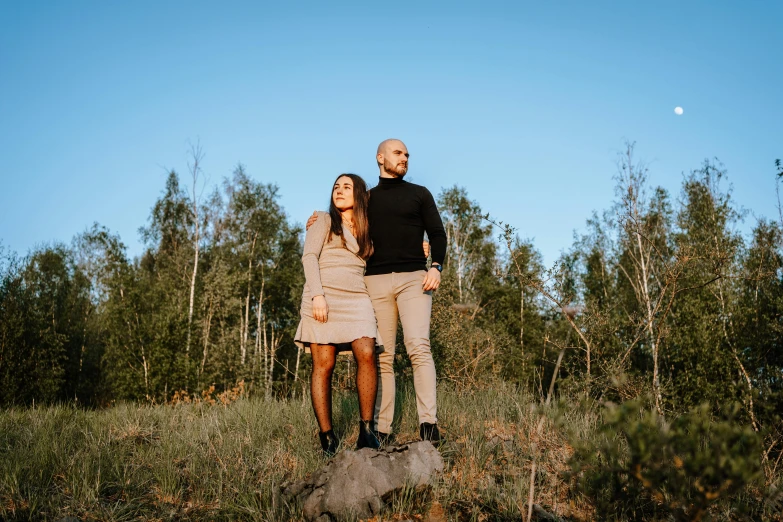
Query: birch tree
(471, 252)
(194, 167)
(255, 218)
(646, 261)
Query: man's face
(394, 158)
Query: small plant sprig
(208, 396)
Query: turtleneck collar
(390, 181)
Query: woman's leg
(324, 358)
(366, 375)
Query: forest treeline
(660, 297)
(655, 338)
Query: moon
(678, 111)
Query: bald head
(389, 143)
(392, 157)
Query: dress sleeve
(314, 243)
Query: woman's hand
(320, 309)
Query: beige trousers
(394, 295)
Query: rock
(356, 483)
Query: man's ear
(379, 158)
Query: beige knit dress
(337, 273)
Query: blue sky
(525, 105)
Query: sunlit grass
(227, 462)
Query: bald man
(400, 285)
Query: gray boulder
(357, 483)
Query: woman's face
(342, 193)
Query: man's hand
(312, 220)
(431, 280)
(320, 309)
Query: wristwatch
(439, 268)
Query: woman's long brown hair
(361, 227)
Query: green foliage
(486, 322)
(47, 349)
(642, 467)
(470, 265)
(87, 323)
(667, 295)
(700, 357)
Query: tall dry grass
(205, 461)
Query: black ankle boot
(329, 442)
(367, 438)
(430, 432)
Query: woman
(337, 313)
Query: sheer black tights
(324, 356)
(366, 376)
(324, 359)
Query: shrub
(643, 467)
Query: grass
(227, 462)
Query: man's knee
(418, 350)
(386, 361)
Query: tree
(470, 259)
(253, 218)
(160, 291)
(517, 312)
(646, 262)
(194, 166)
(121, 322)
(702, 358)
(31, 348)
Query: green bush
(643, 467)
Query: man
(400, 285)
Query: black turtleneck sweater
(399, 214)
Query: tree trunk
(273, 345)
(522, 316)
(259, 313)
(642, 289)
(207, 329)
(146, 374)
(266, 352)
(241, 330)
(246, 328)
(246, 320)
(192, 289)
(298, 358)
(196, 155)
(141, 345)
(81, 355)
